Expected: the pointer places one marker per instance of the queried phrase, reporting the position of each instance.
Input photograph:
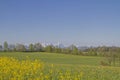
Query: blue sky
(80, 22)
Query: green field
(56, 67)
(55, 58)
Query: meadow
(54, 66)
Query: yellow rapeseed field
(13, 69)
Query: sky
(79, 22)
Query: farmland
(53, 58)
(52, 66)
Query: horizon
(83, 23)
(57, 44)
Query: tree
(74, 49)
(56, 49)
(66, 50)
(31, 47)
(11, 47)
(80, 52)
(0, 47)
(5, 46)
(20, 47)
(38, 47)
(49, 48)
(92, 52)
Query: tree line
(38, 47)
(72, 49)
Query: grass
(55, 58)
